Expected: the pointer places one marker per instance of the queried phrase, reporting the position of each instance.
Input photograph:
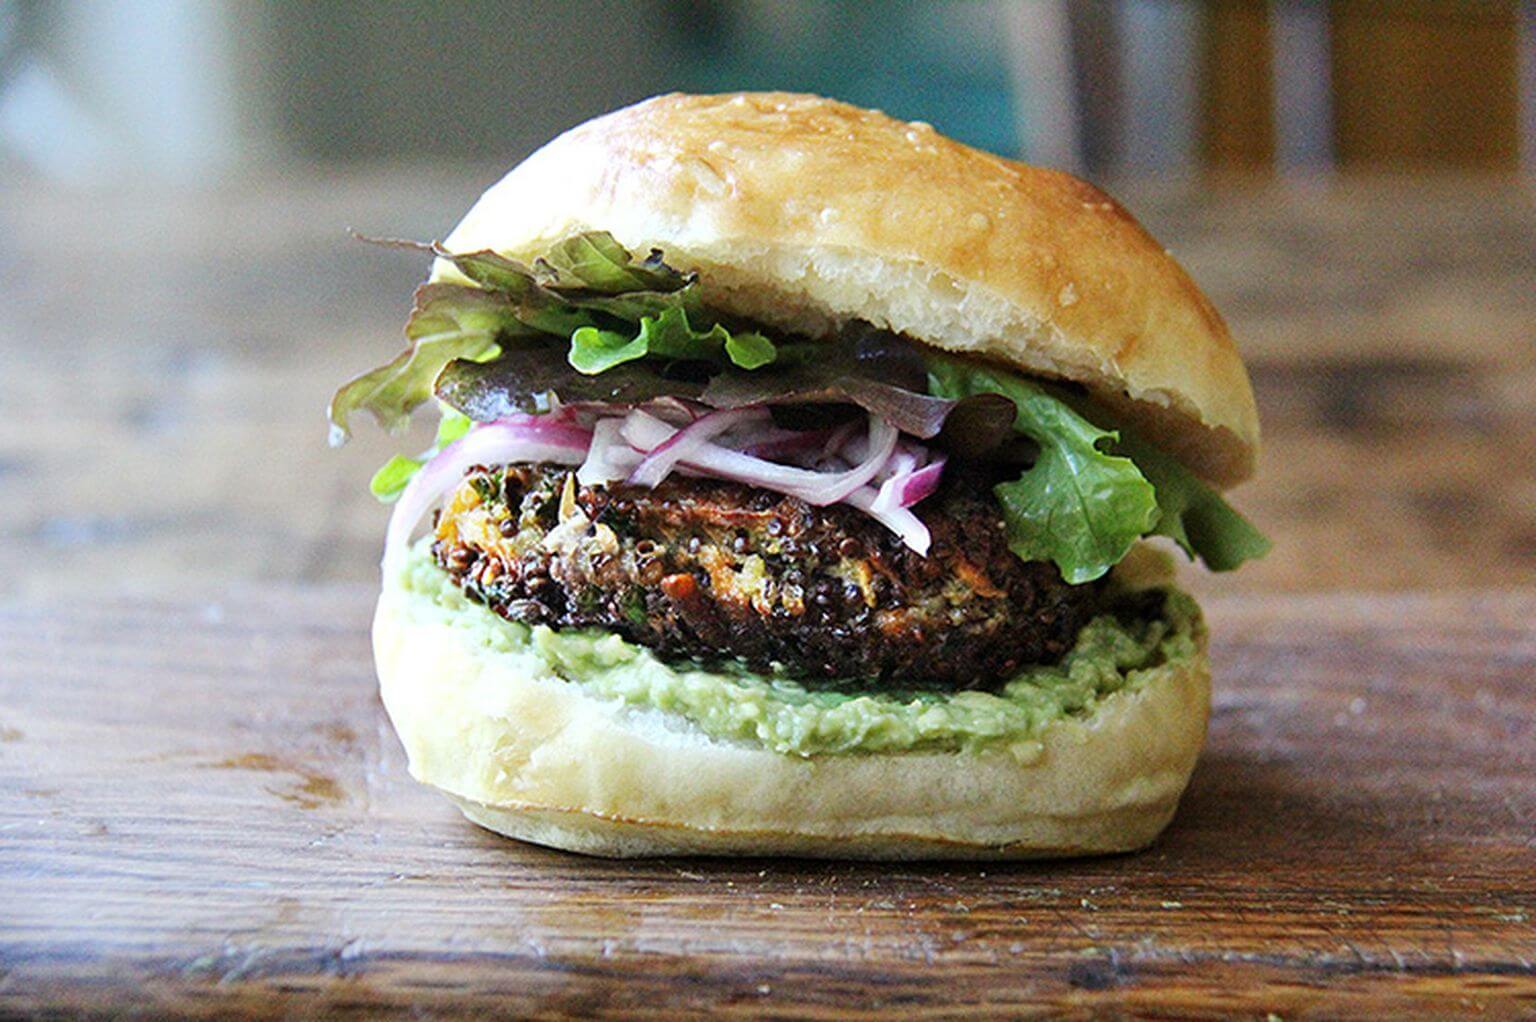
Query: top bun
(804, 213)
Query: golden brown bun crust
(805, 212)
(539, 759)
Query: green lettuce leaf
(559, 304)
(599, 263)
(1105, 473)
(589, 278)
(669, 336)
(531, 381)
(390, 480)
(448, 322)
(1192, 514)
(1078, 505)
(586, 282)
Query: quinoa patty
(716, 571)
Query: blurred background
(194, 90)
(1349, 180)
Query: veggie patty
(717, 572)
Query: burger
(796, 491)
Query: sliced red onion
(873, 469)
(903, 460)
(610, 458)
(907, 488)
(899, 520)
(659, 461)
(675, 410)
(523, 438)
(788, 441)
(819, 488)
(838, 440)
(878, 444)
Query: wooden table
(202, 809)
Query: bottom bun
(540, 759)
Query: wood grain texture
(203, 811)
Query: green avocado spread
(1112, 654)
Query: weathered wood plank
(202, 811)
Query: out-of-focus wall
(102, 91)
(188, 89)
(472, 79)
(1406, 84)
(197, 90)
